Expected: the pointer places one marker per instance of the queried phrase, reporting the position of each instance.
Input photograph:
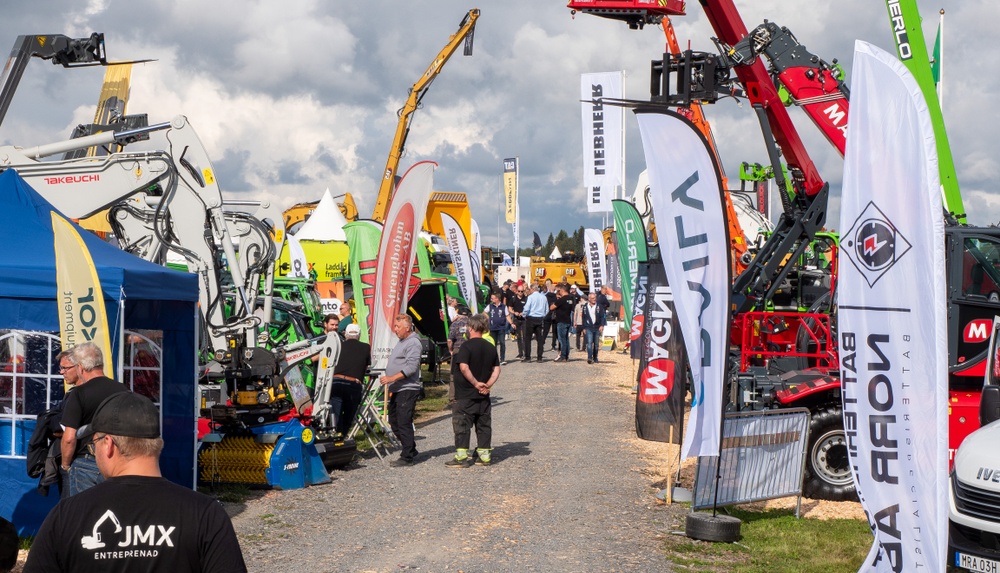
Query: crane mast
(388, 184)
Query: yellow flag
(510, 189)
(82, 317)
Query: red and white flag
(395, 256)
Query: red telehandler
(784, 357)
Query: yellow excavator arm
(388, 183)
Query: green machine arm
(912, 51)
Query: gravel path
(567, 491)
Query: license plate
(977, 564)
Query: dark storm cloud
(231, 171)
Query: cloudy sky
(294, 97)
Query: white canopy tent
(325, 224)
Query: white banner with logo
(458, 246)
(892, 316)
(396, 254)
(602, 138)
(593, 245)
(476, 256)
(297, 258)
(686, 196)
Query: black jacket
(44, 453)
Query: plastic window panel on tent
(143, 369)
(30, 383)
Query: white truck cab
(974, 503)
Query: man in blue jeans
(594, 319)
(497, 311)
(85, 364)
(562, 310)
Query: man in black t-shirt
(479, 369)
(135, 520)
(79, 470)
(549, 320)
(562, 309)
(515, 306)
(349, 375)
(457, 335)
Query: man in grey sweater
(403, 378)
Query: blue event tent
(140, 297)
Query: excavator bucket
(636, 13)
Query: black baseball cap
(125, 414)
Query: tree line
(565, 241)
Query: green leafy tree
(578, 240)
(563, 241)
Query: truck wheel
(828, 468)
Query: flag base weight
(705, 527)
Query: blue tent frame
(148, 296)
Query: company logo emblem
(873, 244)
(977, 330)
(656, 381)
(138, 541)
(638, 323)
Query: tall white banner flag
(476, 255)
(686, 196)
(892, 316)
(602, 138)
(593, 245)
(516, 231)
(297, 257)
(458, 246)
(396, 252)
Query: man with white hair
(349, 375)
(403, 379)
(92, 387)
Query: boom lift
(62, 50)
(973, 271)
(705, 77)
(737, 237)
(387, 187)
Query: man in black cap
(135, 520)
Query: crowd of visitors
(535, 310)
